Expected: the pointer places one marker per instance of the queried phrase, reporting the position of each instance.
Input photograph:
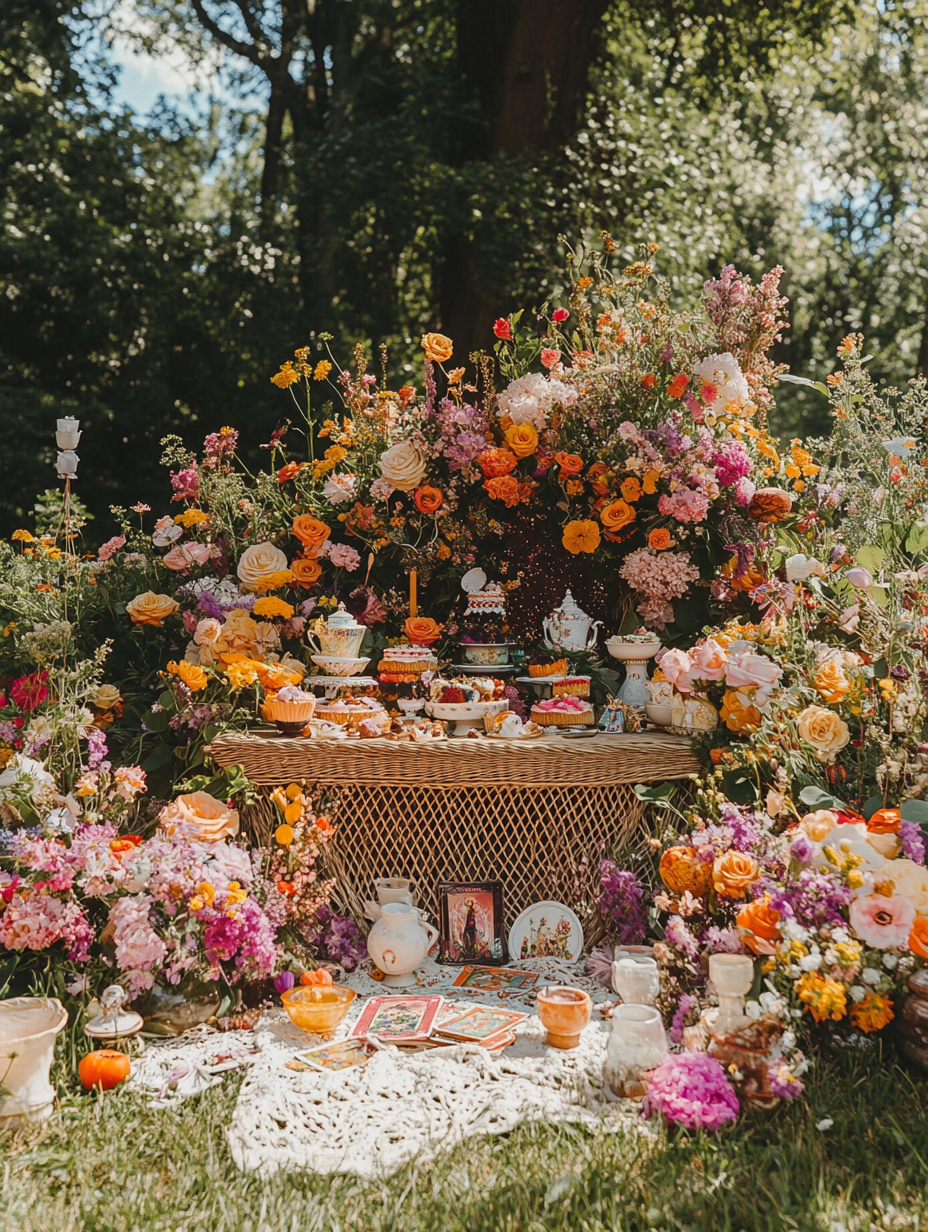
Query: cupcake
(563, 712)
(290, 708)
(351, 711)
(572, 686)
(544, 663)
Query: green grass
(110, 1163)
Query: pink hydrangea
(690, 1089)
(111, 547)
(139, 949)
(39, 920)
(343, 556)
(685, 504)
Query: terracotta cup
(564, 1012)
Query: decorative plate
(546, 930)
(473, 581)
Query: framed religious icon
(470, 923)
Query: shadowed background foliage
(374, 168)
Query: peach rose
(676, 665)
(151, 609)
(208, 632)
(306, 570)
(438, 348)
(240, 632)
(522, 439)
(186, 555)
(310, 531)
(816, 825)
(760, 922)
(824, 731)
(733, 873)
(259, 562)
(422, 630)
(404, 465)
(709, 661)
(201, 818)
(749, 670)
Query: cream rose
(403, 465)
(258, 562)
(910, 881)
(151, 609)
(817, 825)
(201, 818)
(106, 697)
(826, 733)
(208, 632)
(239, 632)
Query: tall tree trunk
(524, 66)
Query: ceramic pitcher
(399, 941)
(569, 627)
(340, 637)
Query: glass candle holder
(637, 1043)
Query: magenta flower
(690, 1089)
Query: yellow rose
(106, 697)
(733, 873)
(259, 562)
(403, 465)
(826, 733)
(151, 609)
(522, 439)
(832, 683)
(437, 347)
(201, 817)
(239, 632)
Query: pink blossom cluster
(660, 577)
(708, 662)
(38, 919)
(139, 949)
(690, 1089)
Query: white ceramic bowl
(660, 716)
(334, 666)
(632, 652)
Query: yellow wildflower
(207, 891)
(824, 998)
(196, 903)
(286, 376)
(323, 368)
(848, 953)
(191, 517)
(23, 536)
(272, 606)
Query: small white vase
(636, 980)
(28, 1026)
(732, 976)
(399, 942)
(637, 1043)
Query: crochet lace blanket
(370, 1120)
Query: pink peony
(186, 555)
(111, 547)
(343, 556)
(691, 1089)
(882, 922)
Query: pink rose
(675, 665)
(709, 661)
(747, 670)
(186, 555)
(550, 357)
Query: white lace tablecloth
(370, 1120)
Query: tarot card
(342, 1054)
(480, 1024)
(395, 1019)
(500, 980)
(470, 917)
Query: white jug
(399, 941)
(569, 628)
(28, 1026)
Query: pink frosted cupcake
(563, 712)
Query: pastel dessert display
(572, 686)
(289, 709)
(546, 663)
(352, 711)
(406, 664)
(488, 599)
(563, 712)
(422, 731)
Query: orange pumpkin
(106, 1068)
(681, 869)
(319, 976)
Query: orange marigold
(872, 1013)
(497, 462)
(659, 539)
(504, 488)
(581, 536)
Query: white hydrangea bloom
(724, 373)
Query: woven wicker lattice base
(539, 820)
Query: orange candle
(413, 604)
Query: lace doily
(370, 1120)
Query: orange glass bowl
(319, 1008)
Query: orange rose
(649, 483)
(506, 488)
(437, 347)
(310, 531)
(496, 462)
(306, 570)
(918, 938)
(630, 488)
(522, 439)
(733, 872)
(831, 683)
(659, 539)
(581, 536)
(681, 869)
(616, 514)
(569, 463)
(770, 505)
(885, 821)
(429, 499)
(760, 922)
(595, 476)
(422, 630)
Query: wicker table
(538, 815)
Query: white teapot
(569, 628)
(399, 942)
(341, 636)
